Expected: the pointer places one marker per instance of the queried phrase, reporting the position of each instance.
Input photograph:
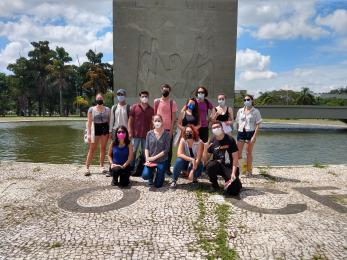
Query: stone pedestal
(184, 43)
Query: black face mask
(188, 135)
(165, 93)
(100, 102)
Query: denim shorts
(245, 136)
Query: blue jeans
(181, 165)
(148, 174)
(136, 143)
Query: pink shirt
(203, 111)
(165, 111)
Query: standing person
(156, 153)
(189, 115)
(189, 155)
(119, 112)
(248, 121)
(219, 146)
(166, 108)
(98, 115)
(204, 106)
(120, 155)
(140, 122)
(223, 114)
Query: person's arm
(172, 122)
(214, 115)
(179, 120)
(130, 126)
(130, 156)
(181, 153)
(206, 155)
(257, 127)
(109, 154)
(231, 116)
(111, 119)
(90, 121)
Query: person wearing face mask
(189, 115)
(98, 115)
(140, 122)
(248, 121)
(204, 105)
(189, 155)
(223, 114)
(119, 112)
(120, 155)
(218, 147)
(167, 108)
(156, 153)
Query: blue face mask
(191, 106)
(248, 103)
(120, 98)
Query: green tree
(306, 98)
(59, 73)
(4, 95)
(39, 58)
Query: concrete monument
(184, 43)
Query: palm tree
(305, 97)
(59, 72)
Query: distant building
(330, 96)
(240, 93)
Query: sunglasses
(120, 132)
(247, 99)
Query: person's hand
(253, 139)
(191, 175)
(130, 135)
(113, 165)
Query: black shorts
(245, 136)
(203, 134)
(101, 129)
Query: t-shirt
(100, 117)
(142, 120)
(165, 111)
(156, 146)
(220, 147)
(203, 110)
(119, 117)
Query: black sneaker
(114, 183)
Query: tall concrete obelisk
(185, 43)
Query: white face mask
(157, 124)
(221, 102)
(144, 100)
(217, 131)
(201, 96)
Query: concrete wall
(181, 42)
(303, 112)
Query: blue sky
(286, 44)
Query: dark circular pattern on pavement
(69, 201)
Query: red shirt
(142, 120)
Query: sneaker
(87, 172)
(173, 185)
(114, 183)
(108, 174)
(103, 169)
(195, 181)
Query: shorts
(245, 136)
(101, 129)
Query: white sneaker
(86, 172)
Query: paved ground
(53, 211)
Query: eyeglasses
(247, 99)
(120, 132)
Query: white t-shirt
(119, 117)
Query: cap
(121, 91)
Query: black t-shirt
(220, 147)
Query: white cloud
(319, 79)
(75, 25)
(336, 21)
(253, 65)
(273, 19)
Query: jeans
(136, 143)
(169, 153)
(181, 165)
(148, 174)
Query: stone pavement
(54, 212)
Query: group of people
(152, 129)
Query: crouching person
(120, 155)
(218, 146)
